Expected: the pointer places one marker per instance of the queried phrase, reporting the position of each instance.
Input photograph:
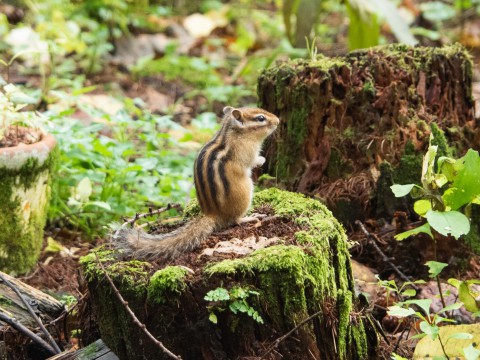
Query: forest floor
(59, 272)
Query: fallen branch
(373, 240)
(24, 330)
(149, 213)
(283, 337)
(32, 313)
(133, 316)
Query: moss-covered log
(342, 117)
(256, 298)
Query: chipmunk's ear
(227, 110)
(237, 114)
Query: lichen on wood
(293, 279)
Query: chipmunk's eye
(260, 118)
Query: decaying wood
(96, 350)
(342, 117)
(48, 307)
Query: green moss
(440, 140)
(21, 237)
(409, 170)
(298, 276)
(129, 276)
(166, 284)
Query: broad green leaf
(467, 298)
(424, 304)
(446, 166)
(422, 206)
(364, 28)
(448, 222)
(401, 190)
(435, 268)
(466, 186)
(398, 357)
(425, 228)
(440, 180)
(400, 311)
(454, 282)
(83, 190)
(451, 307)
(428, 329)
(409, 292)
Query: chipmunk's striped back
(223, 182)
(223, 167)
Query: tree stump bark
(304, 269)
(342, 117)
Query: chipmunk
(223, 182)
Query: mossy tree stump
(342, 117)
(294, 279)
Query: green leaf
(467, 298)
(401, 190)
(451, 307)
(428, 175)
(400, 311)
(213, 318)
(409, 292)
(425, 228)
(219, 294)
(428, 329)
(422, 206)
(466, 186)
(84, 190)
(435, 268)
(364, 28)
(449, 222)
(424, 304)
(84, 90)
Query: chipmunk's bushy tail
(140, 245)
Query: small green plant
(430, 322)
(234, 299)
(448, 187)
(404, 290)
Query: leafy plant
(448, 186)
(12, 101)
(430, 322)
(140, 164)
(234, 299)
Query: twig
(19, 327)
(150, 213)
(382, 254)
(283, 337)
(133, 316)
(32, 313)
